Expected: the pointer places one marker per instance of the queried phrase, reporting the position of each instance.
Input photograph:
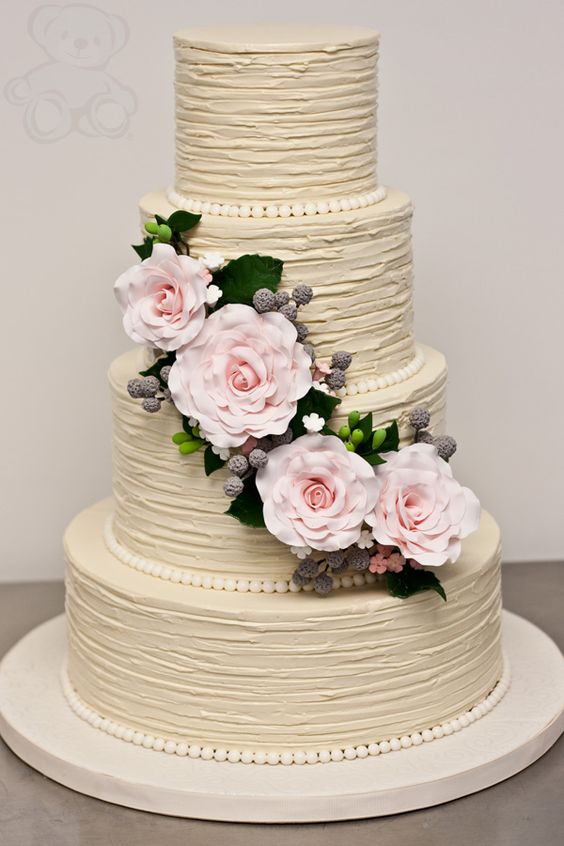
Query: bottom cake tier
(292, 674)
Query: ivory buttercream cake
(288, 570)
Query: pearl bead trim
(258, 210)
(366, 386)
(286, 758)
(216, 582)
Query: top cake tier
(275, 114)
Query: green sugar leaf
(212, 462)
(155, 369)
(241, 278)
(411, 581)
(316, 402)
(145, 249)
(247, 507)
(182, 221)
(391, 441)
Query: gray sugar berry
(289, 311)
(358, 559)
(302, 294)
(264, 443)
(302, 330)
(335, 559)
(446, 446)
(341, 360)
(165, 373)
(151, 404)
(336, 379)
(238, 465)
(233, 487)
(258, 458)
(150, 386)
(281, 440)
(281, 298)
(308, 568)
(310, 351)
(419, 418)
(135, 388)
(298, 579)
(423, 436)
(323, 584)
(264, 300)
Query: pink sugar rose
(242, 377)
(163, 299)
(316, 493)
(420, 508)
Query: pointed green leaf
(247, 507)
(166, 360)
(145, 249)
(181, 221)
(212, 461)
(411, 581)
(241, 278)
(374, 458)
(316, 402)
(391, 442)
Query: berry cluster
(419, 420)
(266, 300)
(244, 464)
(150, 390)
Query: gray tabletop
(527, 809)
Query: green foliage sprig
(413, 580)
(169, 230)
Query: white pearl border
(258, 210)
(216, 582)
(286, 758)
(366, 386)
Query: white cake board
(37, 723)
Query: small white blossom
(221, 452)
(212, 261)
(365, 540)
(321, 386)
(214, 293)
(300, 552)
(192, 421)
(313, 422)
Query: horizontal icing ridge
(237, 670)
(258, 209)
(168, 511)
(185, 748)
(275, 124)
(217, 582)
(358, 263)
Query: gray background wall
(471, 125)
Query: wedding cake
(288, 571)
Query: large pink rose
(421, 509)
(316, 493)
(242, 377)
(163, 299)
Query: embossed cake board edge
(38, 725)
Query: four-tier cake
(288, 570)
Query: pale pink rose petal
(421, 508)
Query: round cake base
(38, 725)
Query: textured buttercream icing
(279, 671)
(359, 264)
(275, 114)
(170, 512)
